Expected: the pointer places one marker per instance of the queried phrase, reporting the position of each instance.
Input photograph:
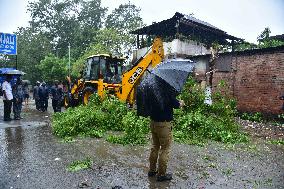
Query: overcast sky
(240, 18)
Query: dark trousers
(7, 109)
(43, 104)
(56, 105)
(17, 109)
(37, 103)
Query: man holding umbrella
(156, 97)
(161, 130)
(7, 97)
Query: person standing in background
(26, 93)
(18, 95)
(57, 96)
(43, 97)
(36, 95)
(7, 97)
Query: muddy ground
(31, 157)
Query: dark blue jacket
(56, 92)
(43, 92)
(159, 114)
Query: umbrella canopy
(12, 72)
(149, 91)
(159, 86)
(174, 72)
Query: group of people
(41, 93)
(14, 96)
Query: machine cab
(104, 66)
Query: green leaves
(198, 122)
(257, 117)
(98, 117)
(79, 165)
(194, 124)
(121, 21)
(53, 68)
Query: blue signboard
(8, 43)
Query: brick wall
(256, 80)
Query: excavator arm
(131, 78)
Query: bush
(198, 122)
(256, 117)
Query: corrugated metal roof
(189, 17)
(188, 26)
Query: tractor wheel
(88, 91)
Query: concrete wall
(176, 49)
(201, 67)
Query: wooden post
(137, 41)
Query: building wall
(256, 81)
(184, 48)
(175, 49)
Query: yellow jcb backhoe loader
(104, 73)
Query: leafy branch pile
(98, 117)
(195, 123)
(198, 121)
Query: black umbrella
(149, 91)
(158, 86)
(174, 72)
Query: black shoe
(166, 177)
(8, 119)
(152, 173)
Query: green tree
(264, 35)
(264, 40)
(32, 48)
(53, 68)
(67, 22)
(122, 20)
(8, 61)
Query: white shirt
(8, 90)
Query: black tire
(88, 91)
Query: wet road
(31, 157)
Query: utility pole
(69, 60)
